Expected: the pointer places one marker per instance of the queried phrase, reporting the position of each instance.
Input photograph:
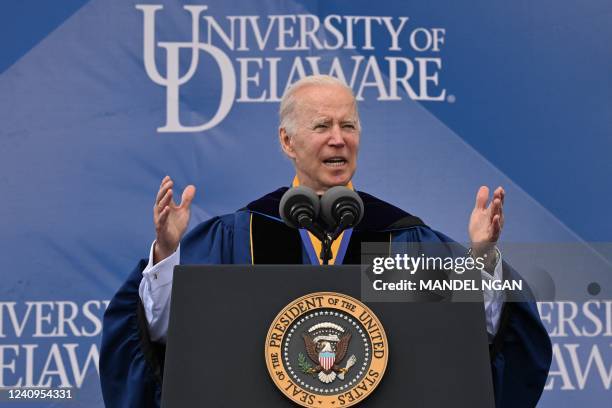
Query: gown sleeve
(131, 365)
(521, 352)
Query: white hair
(289, 102)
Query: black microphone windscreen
(296, 201)
(337, 200)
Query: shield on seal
(327, 359)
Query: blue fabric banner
(102, 99)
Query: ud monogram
(173, 80)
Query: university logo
(255, 58)
(326, 350)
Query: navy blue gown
(131, 366)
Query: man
(319, 131)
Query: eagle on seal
(326, 345)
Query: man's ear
(286, 143)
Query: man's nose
(336, 138)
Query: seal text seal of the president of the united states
(326, 349)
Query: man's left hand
(486, 222)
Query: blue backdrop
(452, 96)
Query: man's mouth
(335, 162)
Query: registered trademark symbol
(450, 99)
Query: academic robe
(131, 366)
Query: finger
(164, 180)
(482, 197)
(165, 201)
(499, 193)
(496, 208)
(188, 195)
(496, 227)
(162, 190)
(163, 216)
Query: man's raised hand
(487, 221)
(170, 220)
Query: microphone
(341, 208)
(299, 208)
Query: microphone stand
(328, 238)
(322, 235)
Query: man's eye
(348, 126)
(320, 126)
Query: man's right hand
(170, 220)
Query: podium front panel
(220, 315)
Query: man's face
(326, 140)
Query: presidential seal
(326, 349)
